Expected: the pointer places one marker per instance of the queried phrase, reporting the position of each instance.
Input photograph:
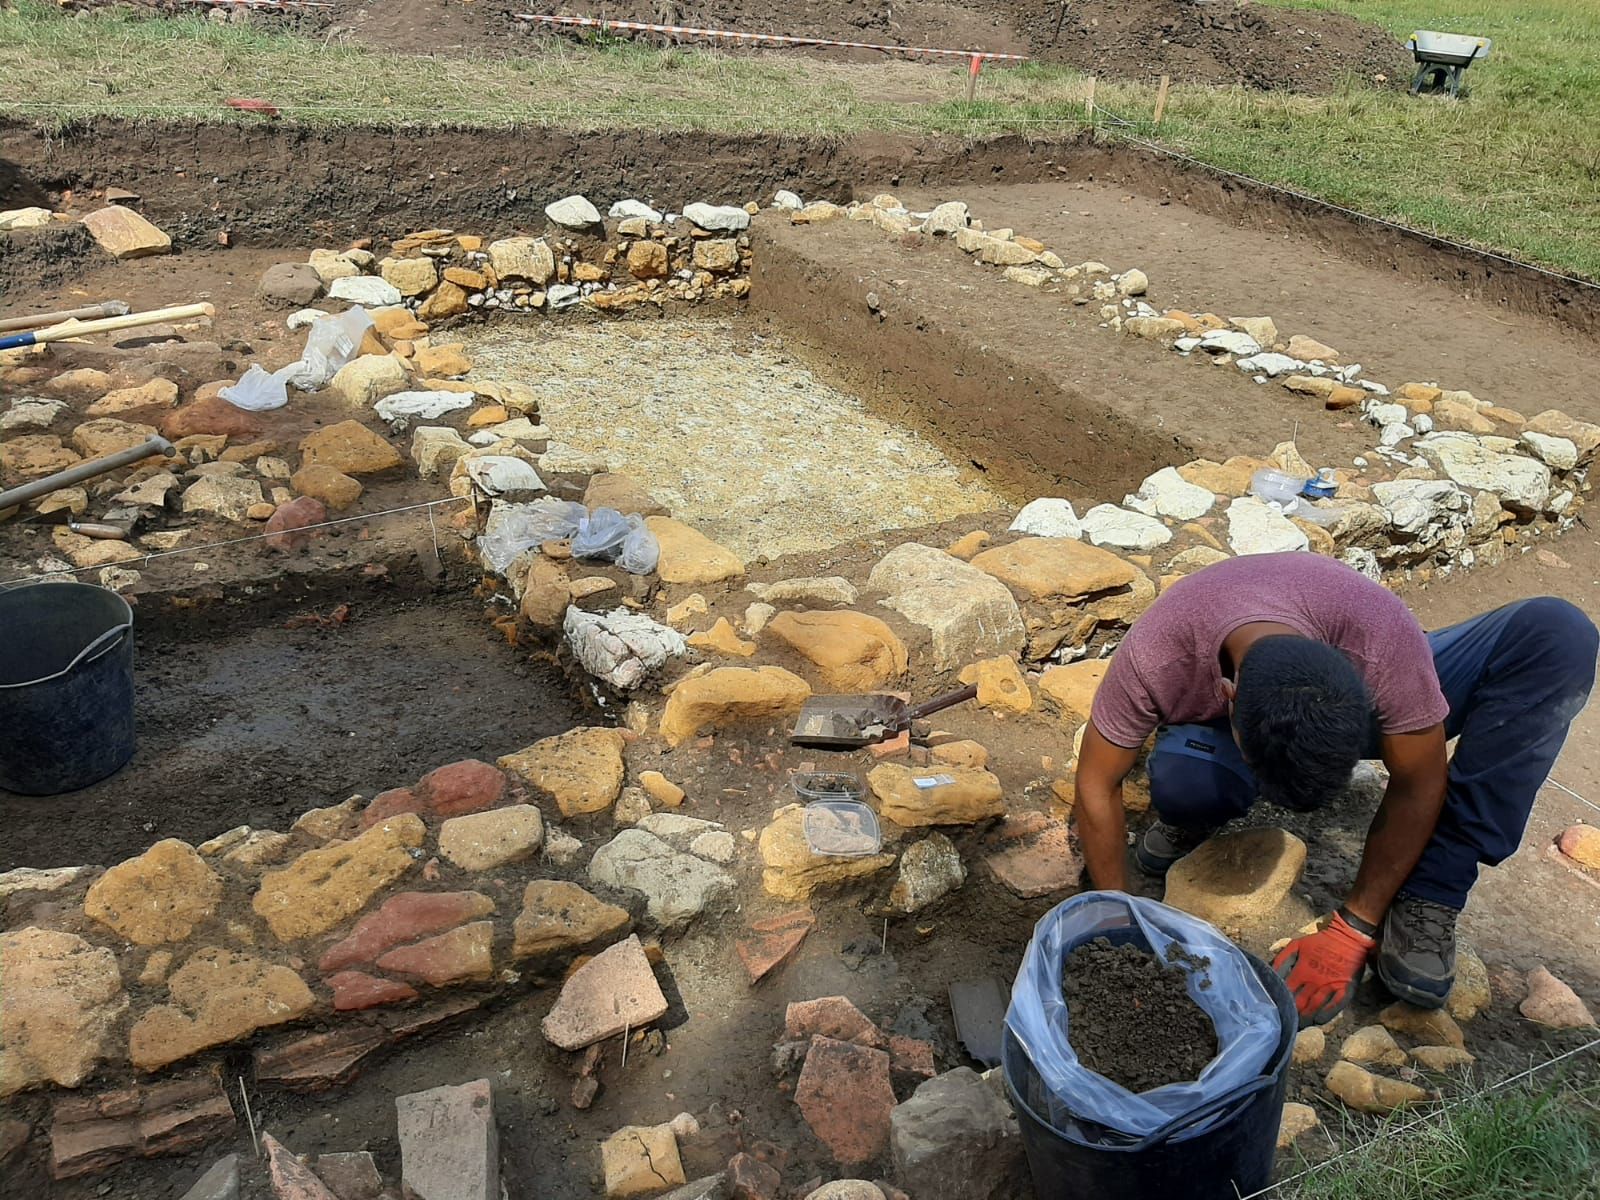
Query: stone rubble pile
(633, 256)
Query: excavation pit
(873, 389)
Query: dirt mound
(940, 24)
(1211, 41)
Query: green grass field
(1515, 168)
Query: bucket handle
(95, 649)
(1204, 1112)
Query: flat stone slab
(449, 1147)
(614, 991)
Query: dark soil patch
(35, 258)
(254, 723)
(1221, 42)
(1130, 1016)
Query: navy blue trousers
(1515, 678)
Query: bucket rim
(98, 647)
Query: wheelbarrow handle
(939, 703)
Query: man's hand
(1097, 808)
(1323, 969)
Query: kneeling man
(1270, 676)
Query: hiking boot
(1164, 844)
(1417, 955)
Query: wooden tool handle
(72, 329)
(939, 703)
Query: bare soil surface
(1400, 329)
(286, 185)
(1130, 1016)
(252, 717)
(1212, 42)
(1025, 384)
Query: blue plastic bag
(1246, 1018)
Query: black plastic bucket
(66, 686)
(1207, 1154)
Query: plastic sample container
(838, 822)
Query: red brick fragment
(315, 1062)
(460, 956)
(846, 1097)
(775, 940)
(830, 1017)
(89, 1134)
(391, 804)
(356, 990)
(1040, 864)
(291, 1178)
(286, 527)
(751, 1179)
(403, 917)
(463, 787)
(911, 1056)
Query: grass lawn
(1527, 1142)
(1516, 168)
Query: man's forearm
(1398, 834)
(1103, 835)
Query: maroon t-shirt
(1168, 670)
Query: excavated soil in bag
(1130, 1018)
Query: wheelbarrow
(1441, 59)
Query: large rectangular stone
(449, 1148)
(969, 615)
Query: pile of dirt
(1130, 1018)
(1211, 41)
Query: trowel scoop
(849, 722)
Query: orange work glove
(1323, 969)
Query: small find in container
(838, 821)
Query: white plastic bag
(640, 549)
(332, 342)
(259, 390)
(1247, 1021)
(600, 535)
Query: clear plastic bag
(331, 343)
(600, 535)
(1283, 490)
(515, 528)
(1247, 1022)
(609, 536)
(640, 549)
(259, 390)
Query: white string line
(1432, 1114)
(764, 39)
(146, 559)
(1561, 787)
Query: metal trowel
(850, 722)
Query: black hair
(1303, 717)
